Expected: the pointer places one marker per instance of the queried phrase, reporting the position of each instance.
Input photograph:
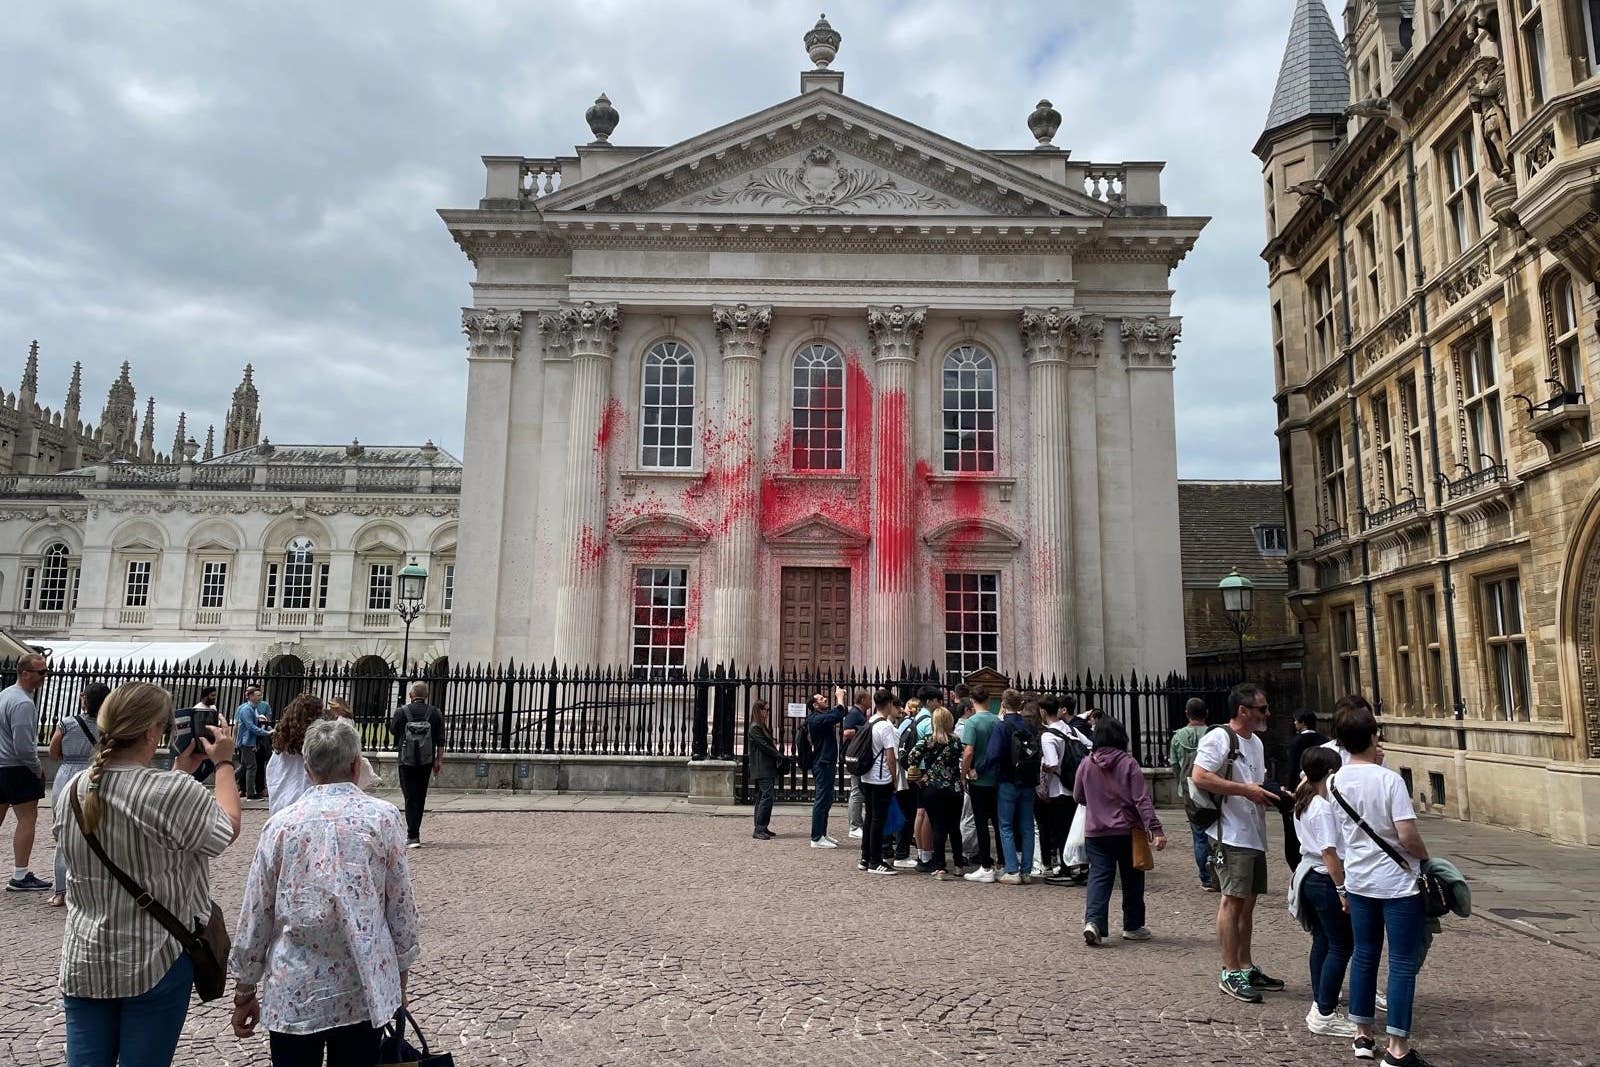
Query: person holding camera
(125, 980)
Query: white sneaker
(982, 874)
(1141, 934)
(856, 834)
(1333, 1024)
(905, 864)
(882, 868)
(830, 840)
(1383, 1002)
(823, 842)
(413, 843)
(1011, 879)
(1091, 936)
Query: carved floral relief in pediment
(821, 182)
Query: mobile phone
(189, 725)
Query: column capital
(491, 333)
(1052, 334)
(895, 332)
(1148, 342)
(589, 329)
(742, 329)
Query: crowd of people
(328, 932)
(941, 783)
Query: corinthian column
(1047, 338)
(896, 333)
(742, 331)
(589, 332)
(492, 337)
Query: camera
(190, 724)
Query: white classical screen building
(821, 388)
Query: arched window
(818, 442)
(299, 583)
(55, 584)
(1565, 359)
(666, 438)
(968, 410)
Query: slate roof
(1312, 80)
(1216, 531)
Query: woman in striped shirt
(125, 982)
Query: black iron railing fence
(552, 709)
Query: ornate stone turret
(74, 396)
(117, 422)
(211, 443)
(29, 392)
(147, 433)
(181, 435)
(243, 427)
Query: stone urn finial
(430, 451)
(191, 448)
(354, 449)
(822, 43)
(1044, 122)
(265, 448)
(602, 118)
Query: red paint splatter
(613, 417)
(892, 528)
(691, 613)
(590, 550)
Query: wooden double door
(814, 639)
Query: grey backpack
(416, 739)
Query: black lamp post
(1238, 593)
(408, 605)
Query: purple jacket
(1113, 786)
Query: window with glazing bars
(1346, 651)
(54, 579)
(214, 583)
(1506, 646)
(1330, 456)
(666, 424)
(971, 621)
(1432, 650)
(1400, 647)
(1459, 160)
(447, 596)
(380, 586)
(1530, 22)
(818, 409)
(969, 410)
(297, 573)
(1566, 361)
(1480, 388)
(136, 584)
(660, 620)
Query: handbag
(207, 944)
(1144, 857)
(395, 1051)
(1435, 902)
(1075, 853)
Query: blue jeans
(1331, 940)
(1107, 856)
(139, 1031)
(1370, 919)
(1016, 815)
(1202, 852)
(822, 777)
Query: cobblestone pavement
(579, 938)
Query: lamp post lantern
(1238, 595)
(408, 605)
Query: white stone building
(821, 388)
(286, 554)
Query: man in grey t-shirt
(21, 776)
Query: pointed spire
(147, 433)
(75, 391)
(181, 436)
(1312, 81)
(243, 426)
(30, 373)
(117, 422)
(211, 443)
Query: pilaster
(1147, 345)
(742, 331)
(1083, 369)
(1048, 336)
(589, 331)
(896, 336)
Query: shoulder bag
(1144, 855)
(207, 944)
(1435, 902)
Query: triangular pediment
(821, 153)
(817, 530)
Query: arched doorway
(372, 695)
(1581, 620)
(286, 676)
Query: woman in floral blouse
(938, 756)
(329, 925)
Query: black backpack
(1202, 808)
(860, 755)
(416, 738)
(1073, 753)
(1026, 757)
(804, 752)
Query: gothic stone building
(821, 388)
(1433, 248)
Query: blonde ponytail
(125, 717)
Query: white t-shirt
(1344, 756)
(1317, 830)
(1379, 795)
(1244, 822)
(1053, 746)
(883, 738)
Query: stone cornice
(436, 505)
(742, 329)
(491, 334)
(895, 332)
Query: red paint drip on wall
(613, 417)
(895, 541)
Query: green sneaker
(1259, 979)
(1237, 985)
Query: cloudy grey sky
(194, 185)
